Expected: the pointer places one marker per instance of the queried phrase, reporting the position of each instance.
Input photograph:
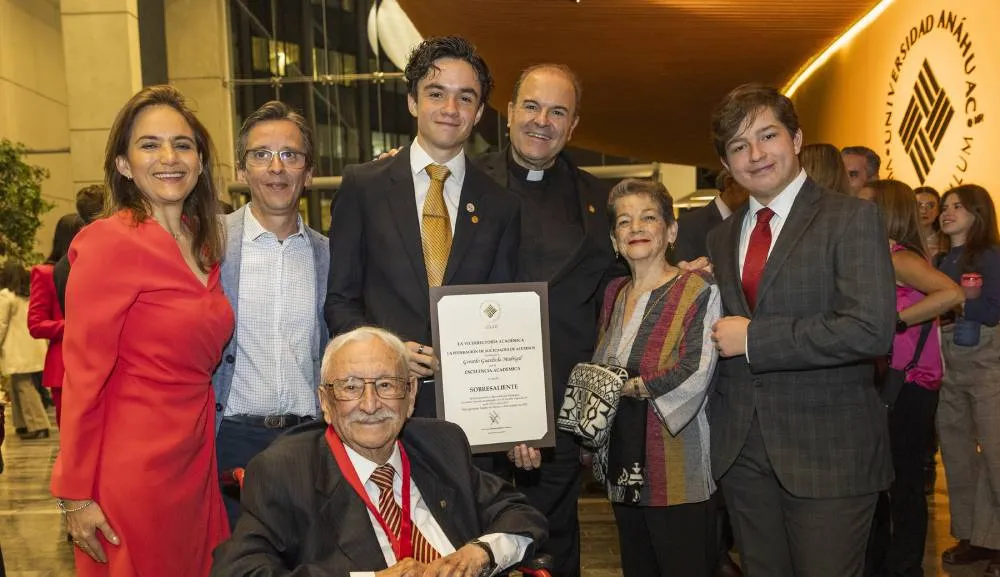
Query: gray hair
(363, 334)
(872, 160)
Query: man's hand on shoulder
(389, 153)
(469, 561)
(700, 263)
(408, 567)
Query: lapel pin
(470, 207)
(591, 209)
(444, 503)
(475, 219)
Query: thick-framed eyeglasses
(262, 157)
(353, 388)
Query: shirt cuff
(746, 345)
(362, 574)
(508, 549)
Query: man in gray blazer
(274, 275)
(799, 435)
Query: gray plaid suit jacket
(826, 307)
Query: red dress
(142, 338)
(45, 321)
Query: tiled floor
(34, 545)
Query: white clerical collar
(782, 203)
(535, 175)
(419, 159)
(365, 467)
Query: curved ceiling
(652, 70)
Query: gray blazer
(826, 307)
(222, 380)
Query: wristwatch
(901, 325)
(492, 565)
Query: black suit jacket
(302, 518)
(826, 306)
(377, 272)
(576, 290)
(692, 231)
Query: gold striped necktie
(436, 236)
(423, 551)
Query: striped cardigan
(675, 358)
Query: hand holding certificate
(494, 378)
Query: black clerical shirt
(551, 225)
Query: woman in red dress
(45, 316)
(147, 320)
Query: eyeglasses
(353, 388)
(262, 157)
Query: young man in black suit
(331, 498)
(694, 226)
(424, 217)
(799, 435)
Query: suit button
(218, 407)
(757, 382)
(230, 359)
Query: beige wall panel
(198, 65)
(88, 155)
(95, 6)
(37, 121)
(102, 66)
(862, 95)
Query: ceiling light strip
(814, 64)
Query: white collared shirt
(419, 159)
(781, 205)
(275, 324)
(724, 209)
(507, 549)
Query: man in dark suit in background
(425, 217)
(565, 242)
(799, 435)
(694, 226)
(320, 499)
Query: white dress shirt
(276, 325)
(507, 549)
(781, 205)
(419, 159)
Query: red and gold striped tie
(423, 552)
(436, 237)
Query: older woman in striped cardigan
(656, 323)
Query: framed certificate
(495, 380)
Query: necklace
(176, 235)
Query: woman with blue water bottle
(968, 417)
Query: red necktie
(423, 552)
(757, 249)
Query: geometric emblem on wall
(927, 118)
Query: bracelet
(62, 506)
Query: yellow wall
(33, 101)
(860, 96)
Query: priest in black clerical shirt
(565, 241)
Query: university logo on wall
(933, 109)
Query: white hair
(362, 334)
